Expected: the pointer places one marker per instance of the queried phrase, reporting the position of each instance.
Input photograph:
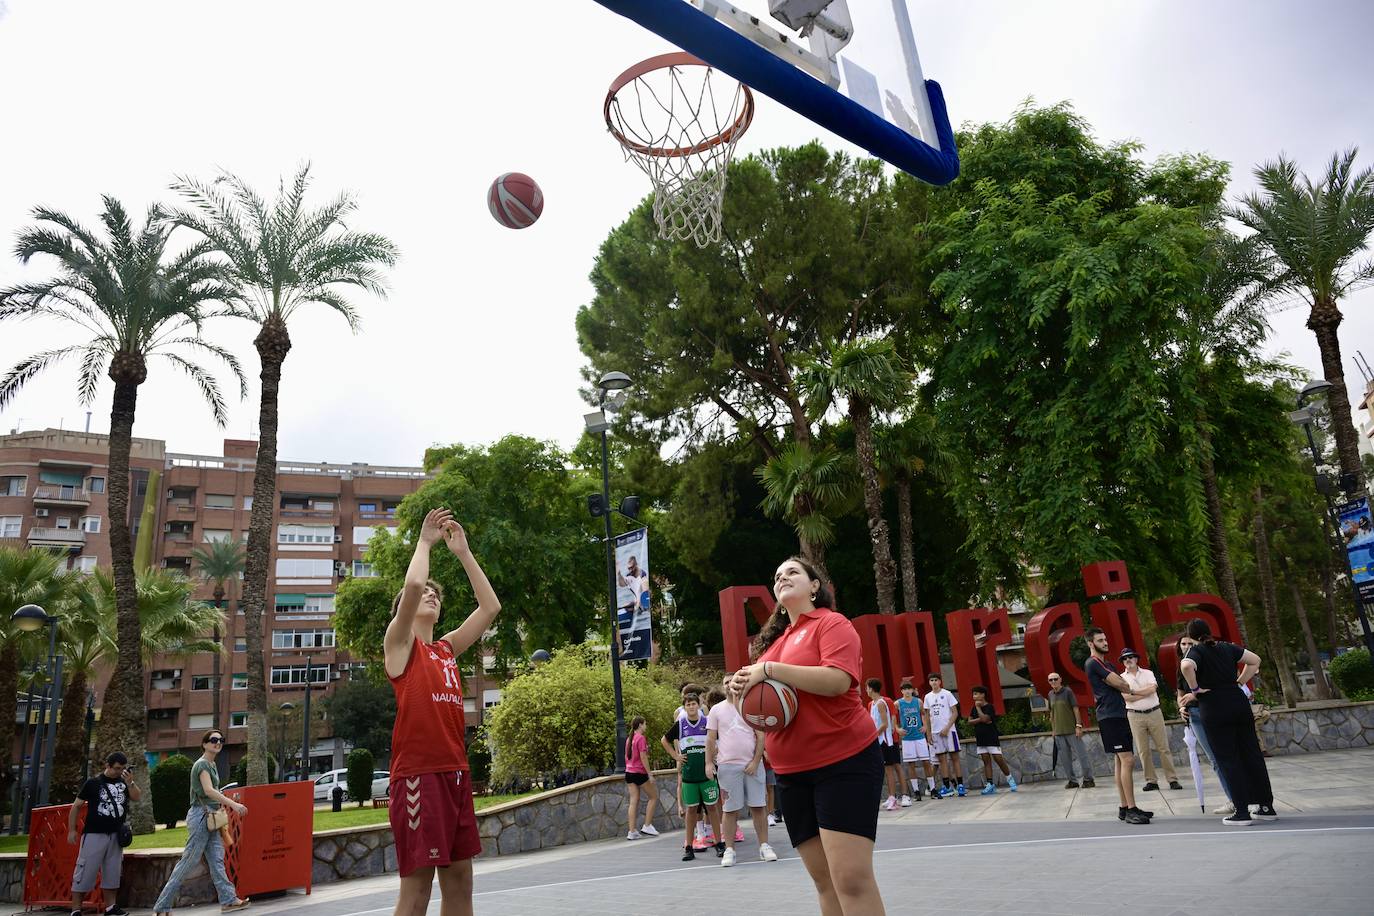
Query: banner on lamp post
(1357, 534)
(635, 637)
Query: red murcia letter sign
(897, 647)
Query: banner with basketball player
(1357, 533)
(636, 638)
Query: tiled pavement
(1043, 850)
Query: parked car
(324, 784)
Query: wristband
(765, 670)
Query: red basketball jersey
(428, 734)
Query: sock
(931, 781)
(915, 785)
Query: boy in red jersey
(432, 816)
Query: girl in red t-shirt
(432, 816)
(829, 765)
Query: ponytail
(778, 622)
(1199, 631)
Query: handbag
(216, 819)
(125, 833)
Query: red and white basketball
(769, 706)
(515, 200)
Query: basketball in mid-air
(515, 200)
(769, 706)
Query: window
(201, 681)
(216, 535)
(198, 721)
(162, 715)
(13, 486)
(219, 501)
(9, 525)
(97, 484)
(290, 604)
(365, 507)
(63, 522)
(363, 533)
(295, 675)
(303, 639)
(305, 534)
(319, 604)
(240, 645)
(238, 720)
(248, 502)
(166, 680)
(322, 505)
(362, 570)
(85, 564)
(305, 569)
(90, 524)
(240, 682)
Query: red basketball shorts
(433, 820)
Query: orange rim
(667, 62)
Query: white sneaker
(906, 801)
(633, 835)
(1227, 808)
(772, 821)
(728, 859)
(649, 830)
(766, 853)
(891, 804)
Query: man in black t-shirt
(108, 795)
(1111, 690)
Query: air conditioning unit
(40, 513)
(338, 539)
(340, 569)
(335, 675)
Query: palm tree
(282, 257)
(806, 486)
(27, 576)
(1314, 232)
(870, 376)
(171, 623)
(1288, 683)
(906, 449)
(135, 300)
(220, 562)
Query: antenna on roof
(1362, 364)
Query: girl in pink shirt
(636, 775)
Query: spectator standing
(686, 742)
(1066, 725)
(1191, 711)
(734, 758)
(1147, 721)
(1210, 671)
(1111, 693)
(108, 794)
(915, 749)
(881, 711)
(639, 780)
(942, 709)
(988, 742)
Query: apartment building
(53, 494)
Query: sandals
(236, 905)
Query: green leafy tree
(907, 450)
(537, 729)
(281, 257)
(364, 709)
(1314, 231)
(525, 513)
(171, 787)
(1353, 673)
(360, 768)
(131, 299)
(870, 376)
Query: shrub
(479, 758)
(360, 775)
(170, 784)
(1353, 673)
(560, 716)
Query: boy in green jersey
(686, 742)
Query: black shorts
(1116, 736)
(842, 796)
(892, 754)
(636, 779)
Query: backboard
(848, 65)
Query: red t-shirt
(428, 734)
(826, 729)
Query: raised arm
(488, 606)
(399, 637)
(1251, 661)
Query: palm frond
(27, 368)
(209, 388)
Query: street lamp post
(1304, 417)
(25, 753)
(597, 423)
(90, 726)
(30, 618)
(305, 738)
(285, 709)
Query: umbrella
(1190, 739)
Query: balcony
(62, 496)
(164, 699)
(57, 537)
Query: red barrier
(51, 861)
(273, 846)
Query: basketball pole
(610, 604)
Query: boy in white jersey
(942, 710)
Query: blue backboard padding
(757, 68)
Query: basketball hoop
(666, 114)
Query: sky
(415, 107)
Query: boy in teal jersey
(686, 742)
(915, 748)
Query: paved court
(1043, 850)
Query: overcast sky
(417, 106)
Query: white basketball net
(672, 122)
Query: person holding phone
(108, 794)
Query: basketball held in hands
(769, 706)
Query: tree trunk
(1287, 682)
(1323, 320)
(1320, 688)
(71, 749)
(9, 709)
(123, 719)
(273, 343)
(1222, 569)
(910, 599)
(884, 570)
(1333, 628)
